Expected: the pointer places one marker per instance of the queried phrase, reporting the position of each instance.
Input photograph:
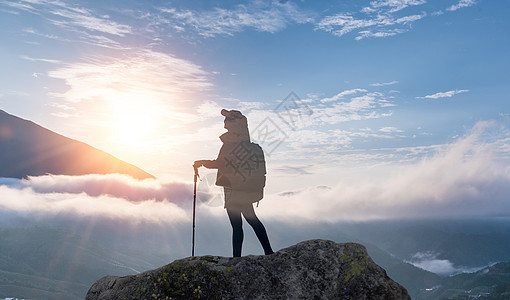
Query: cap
(232, 114)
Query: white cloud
(101, 41)
(115, 185)
(53, 61)
(381, 25)
(447, 94)
(461, 4)
(110, 196)
(85, 25)
(379, 34)
(429, 261)
(346, 22)
(390, 129)
(35, 32)
(367, 105)
(209, 109)
(305, 140)
(383, 18)
(311, 139)
(62, 14)
(143, 73)
(463, 179)
(22, 5)
(394, 5)
(244, 106)
(377, 20)
(261, 16)
(384, 83)
(342, 95)
(83, 18)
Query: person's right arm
(209, 164)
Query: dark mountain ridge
(27, 149)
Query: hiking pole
(194, 208)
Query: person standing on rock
(241, 172)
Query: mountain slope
(45, 263)
(489, 283)
(414, 279)
(29, 149)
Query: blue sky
(384, 90)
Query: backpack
(245, 167)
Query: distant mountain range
(489, 283)
(27, 149)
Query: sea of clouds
(466, 179)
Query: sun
(134, 123)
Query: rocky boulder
(316, 269)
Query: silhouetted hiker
(241, 172)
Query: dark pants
(234, 213)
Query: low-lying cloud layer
(466, 178)
(111, 196)
(114, 185)
(429, 261)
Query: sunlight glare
(134, 121)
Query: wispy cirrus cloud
(66, 15)
(342, 95)
(461, 4)
(261, 16)
(392, 5)
(382, 18)
(83, 18)
(361, 105)
(447, 94)
(323, 142)
(377, 20)
(47, 60)
(322, 133)
(348, 105)
(37, 33)
(378, 84)
(90, 26)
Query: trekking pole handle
(195, 168)
(196, 173)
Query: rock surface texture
(316, 269)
